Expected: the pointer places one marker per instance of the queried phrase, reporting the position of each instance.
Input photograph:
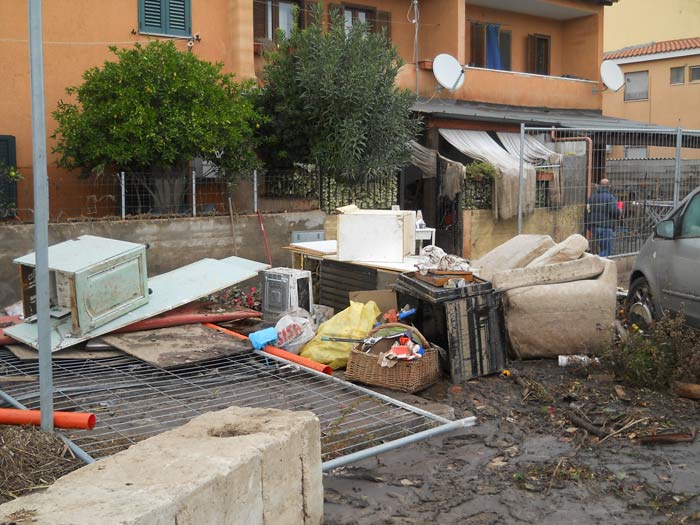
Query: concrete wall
(481, 233)
(173, 242)
(237, 466)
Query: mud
(526, 462)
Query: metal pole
(41, 213)
(521, 176)
(677, 174)
(398, 443)
(255, 191)
(415, 40)
(194, 194)
(122, 183)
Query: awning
(479, 145)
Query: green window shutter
(151, 16)
(178, 17)
(8, 188)
(165, 17)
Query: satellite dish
(612, 75)
(448, 72)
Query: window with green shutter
(8, 187)
(165, 17)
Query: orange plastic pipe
(273, 350)
(78, 420)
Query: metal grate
(134, 400)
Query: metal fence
(134, 195)
(647, 173)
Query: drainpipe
(589, 142)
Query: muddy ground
(526, 462)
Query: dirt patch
(31, 460)
(527, 462)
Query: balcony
(508, 87)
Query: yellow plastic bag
(355, 322)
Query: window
(678, 75)
(635, 152)
(538, 54)
(481, 36)
(358, 15)
(165, 17)
(271, 15)
(691, 219)
(694, 73)
(637, 85)
(8, 188)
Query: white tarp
(537, 154)
(424, 158)
(479, 145)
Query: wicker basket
(405, 376)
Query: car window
(691, 219)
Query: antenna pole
(415, 39)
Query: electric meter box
(284, 289)
(92, 279)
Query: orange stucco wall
(668, 104)
(76, 37)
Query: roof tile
(654, 47)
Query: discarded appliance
(169, 290)
(376, 235)
(285, 289)
(467, 321)
(92, 279)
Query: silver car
(666, 273)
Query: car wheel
(640, 304)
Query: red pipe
(273, 350)
(77, 420)
(267, 246)
(190, 316)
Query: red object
(392, 316)
(4, 323)
(273, 350)
(77, 420)
(620, 205)
(193, 313)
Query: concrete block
(234, 466)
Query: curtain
(424, 159)
(479, 145)
(538, 154)
(493, 49)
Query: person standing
(602, 214)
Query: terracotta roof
(653, 48)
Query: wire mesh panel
(611, 185)
(134, 400)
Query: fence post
(194, 193)
(255, 191)
(122, 187)
(521, 176)
(677, 174)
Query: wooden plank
(177, 345)
(19, 379)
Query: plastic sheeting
(479, 145)
(537, 154)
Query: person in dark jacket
(602, 216)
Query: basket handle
(416, 333)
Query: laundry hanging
(479, 145)
(537, 154)
(424, 159)
(493, 49)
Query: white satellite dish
(448, 72)
(612, 75)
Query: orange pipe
(273, 350)
(78, 420)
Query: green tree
(331, 100)
(154, 110)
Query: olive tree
(153, 110)
(330, 99)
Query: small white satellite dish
(448, 72)
(611, 75)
